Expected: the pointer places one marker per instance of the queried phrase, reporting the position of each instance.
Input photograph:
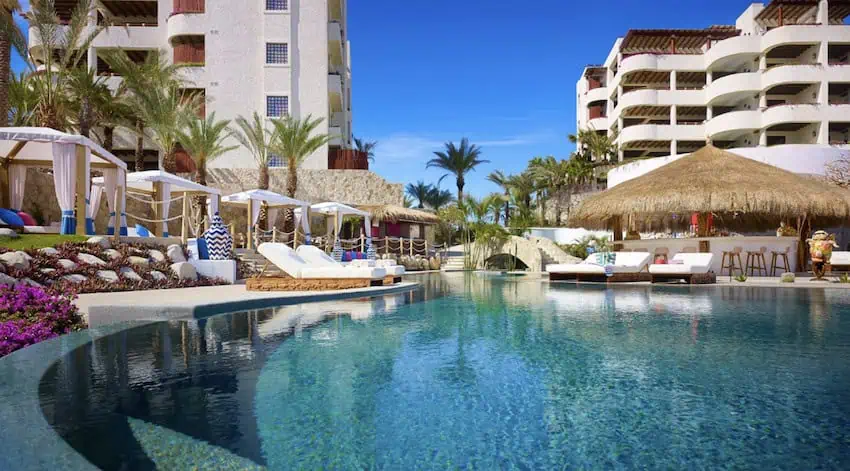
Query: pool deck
(191, 303)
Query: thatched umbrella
(391, 213)
(713, 181)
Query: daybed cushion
(624, 262)
(223, 269)
(295, 266)
(11, 218)
(840, 258)
(691, 263)
(343, 272)
(28, 220)
(316, 256)
(142, 231)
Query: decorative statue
(219, 241)
(820, 251)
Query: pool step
(453, 263)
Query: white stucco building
(275, 57)
(780, 76)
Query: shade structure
(254, 199)
(712, 180)
(338, 211)
(394, 214)
(37, 146)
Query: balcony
(189, 51)
(596, 94)
(735, 87)
(336, 53)
(346, 159)
(335, 10)
(188, 6)
(187, 24)
(662, 132)
(729, 126)
(335, 91)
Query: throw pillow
(11, 218)
(142, 231)
(28, 220)
(605, 258)
(203, 249)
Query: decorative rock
(29, 282)
(67, 264)
(158, 275)
(112, 254)
(2, 268)
(175, 253)
(184, 271)
(89, 259)
(49, 251)
(101, 241)
(108, 275)
(7, 280)
(156, 256)
(434, 263)
(74, 278)
(6, 232)
(139, 261)
(128, 273)
(19, 260)
(787, 278)
(47, 270)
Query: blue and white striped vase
(219, 241)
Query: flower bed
(29, 315)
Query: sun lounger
(394, 271)
(693, 268)
(627, 266)
(839, 262)
(304, 276)
(316, 256)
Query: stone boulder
(175, 254)
(787, 278)
(47, 271)
(101, 241)
(74, 278)
(128, 273)
(184, 271)
(158, 275)
(67, 264)
(19, 260)
(6, 232)
(112, 254)
(156, 256)
(49, 251)
(140, 261)
(89, 259)
(7, 280)
(108, 276)
(434, 263)
(29, 282)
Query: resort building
(275, 57)
(780, 76)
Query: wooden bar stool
(774, 262)
(661, 252)
(756, 262)
(727, 262)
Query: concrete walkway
(189, 303)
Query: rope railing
(153, 221)
(148, 200)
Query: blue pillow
(142, 231)
(203, 249)
(346, 256)
(11, 218)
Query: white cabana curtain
(255, 212)
(110, 186)
(17, 186)
(95, 195)
(122, 179)
(273, 216)
(212, 205)
(89, 220)
(64, 180)
(304, 215)
(166, 206)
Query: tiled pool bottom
(468, 372)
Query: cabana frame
(252, 201)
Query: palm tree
(503, 181)
(458, 161)
(522, 188)
(23, 100)
(165, 110)
(115, 112)
(438, 199)
(419, 191)
(88, 96)
(257, 138)
(595, 146)
(203, 139)
(553, 175)
(10, 35)
(367, 147)
(294, 140)
(406, 201)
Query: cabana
(72, 158)
(159, 189)
(253, 201)
(338, 211)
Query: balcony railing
(190, 51)
(188, 6)
(347, 159)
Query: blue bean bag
(11, 218)
(203, 249)
(142, 231)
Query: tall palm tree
(458, 161)
(523, 187)
(503, 181)
(203, 139)
(165, 110)
(437, 199)
(23, 100)
(294, 140)
(595, 146)
(10, 35)
(367, 147)
(88, 97)
(407, 202)
(116, 112)
(419, 191)
(553, 175)
(255, 136)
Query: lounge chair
(627, 266)
(304, 276)
(839, 262)
(693, 268)
(317, 257)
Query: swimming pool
(472, 371)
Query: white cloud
(410, 148)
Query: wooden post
(274, 233)
(184, 223)
(249, 244)
(295, 238)
(781, 19)
(118, 198)
(617, 227)
(6, 185)
(81, 184)
(158, 195)
(410, 241)
(362, 243)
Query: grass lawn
(37, 241)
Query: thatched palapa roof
(394, 214)
(711, 180)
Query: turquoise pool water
(474, 372)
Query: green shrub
(579, 249)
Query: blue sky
(501, 73)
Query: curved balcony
(186, 24)
(794, 34)
(599, 124)
(791, 73)
(116, 37)
(732, 49)
(733, 87)
(662, 132)
(660, 98)
(781, 114)
(597, 94)
(733, 124)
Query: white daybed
(316, 256)
(693, 268)
(840, 261)
(627, 266)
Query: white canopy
(144, 181)
(38, 145)
(272, 199)
(334, 209)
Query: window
(275, 160)
(277, 106)
(277, 53)
(276, 5)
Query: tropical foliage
(367, 147)
(457, 160)
(294, 140)
(477, 231)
